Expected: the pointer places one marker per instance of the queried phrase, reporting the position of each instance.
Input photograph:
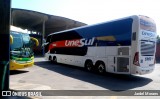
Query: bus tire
(100, 67)
(54, 59)
(89, 65)
(50, 58)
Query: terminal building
(41, 24)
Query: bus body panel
(134, 46)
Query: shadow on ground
(109, 81)
(14, 72)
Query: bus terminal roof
(34, 21)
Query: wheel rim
(101, 68)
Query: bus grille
(147, 49)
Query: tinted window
(68, 35)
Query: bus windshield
(20, 40)
(22, 46)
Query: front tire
(50, 58)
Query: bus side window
(134, 36)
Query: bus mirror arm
(35, 40)
(11, 39)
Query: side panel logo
(72, 43)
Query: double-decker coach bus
(122, 46)
(21, 54)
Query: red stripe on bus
(65, 43)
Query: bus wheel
(50, 58)
(54, 59)
(89, 65)
(101, 68)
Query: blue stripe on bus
(121, 30)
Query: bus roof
(17, 29)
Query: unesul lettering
(79, 42)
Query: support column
(5, 7)
(43, 34)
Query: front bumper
(15, 65)
(147, 70)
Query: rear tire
(89, 65)
(101, 68)
(54, 59)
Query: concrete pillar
(5, 7)
(43, 35)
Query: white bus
(122, 46)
